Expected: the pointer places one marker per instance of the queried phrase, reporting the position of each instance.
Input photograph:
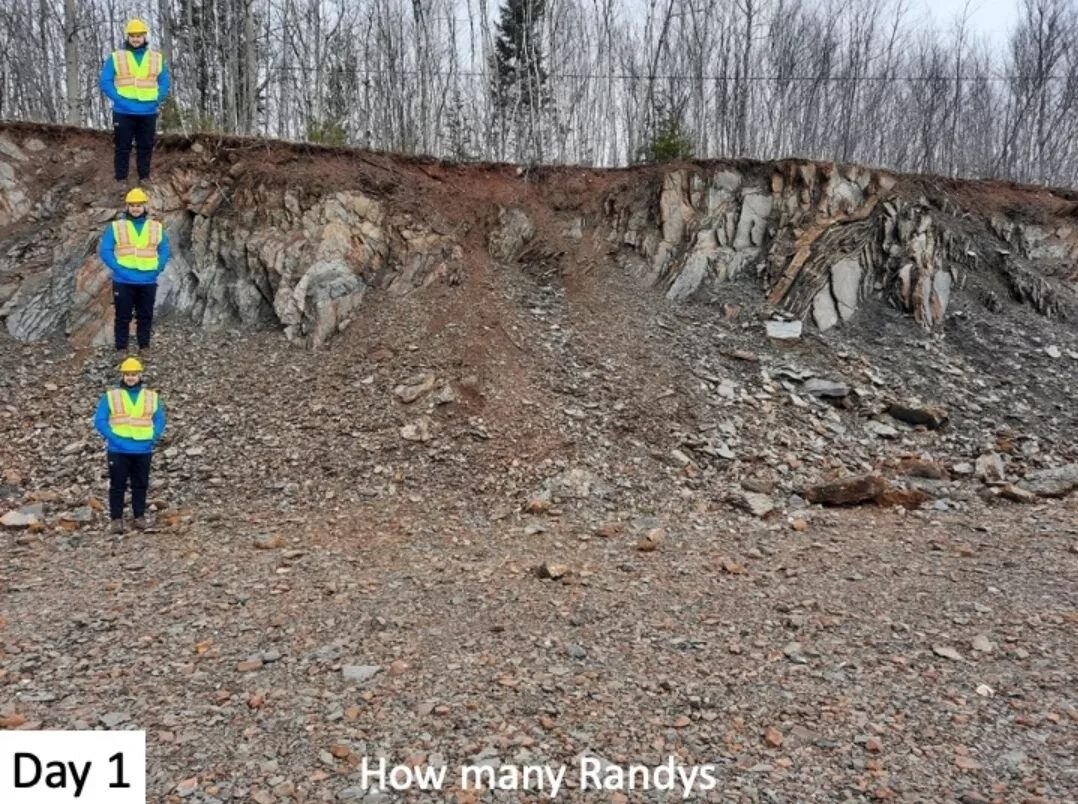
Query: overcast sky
(991, 18)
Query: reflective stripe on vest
(137, 81)
(132, 418)
(137, 251)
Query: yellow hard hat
(137, 196)
(131, 366)
(137, 27)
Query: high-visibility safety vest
(132, 418)
(134, 250)
(137, 81)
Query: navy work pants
(133, 299)
(123, 469)
(138, 129)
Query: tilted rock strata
(819, 240)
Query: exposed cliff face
(822, 240)
(288, 258)
(270, 236)
(247, 254)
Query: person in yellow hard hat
(132, 419)
(136, 79)
(136, 250)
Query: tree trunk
(250, 69)
(71, 63)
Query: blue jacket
(128, 445)
(128, 276)
(122, 105)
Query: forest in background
(588, 82)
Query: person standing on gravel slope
(131, 418)
(136, 250)
(136, 80)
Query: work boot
(116, 526)
(140, 523)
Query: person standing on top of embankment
(136, 80)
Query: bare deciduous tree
(850, 81)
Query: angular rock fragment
(880, 429)
(651, 540)
(419, 430)
(847, 491)
(918, 467)
(360, 673)
(931, 416)
(757, 504)
(1056, 482)
(906, 498)
(784, 330)
(414, 387)
(1016, 494)
(15, 519)
(990, 468)
(817, 386)
(550, 570)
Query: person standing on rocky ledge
(136, 250)
(136, 80)
(132, 419)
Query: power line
(383, 72)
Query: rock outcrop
(301, 249)
(243, 255)
(823, 239)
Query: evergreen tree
(458, 134)
(520, 98)
(669, 142)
